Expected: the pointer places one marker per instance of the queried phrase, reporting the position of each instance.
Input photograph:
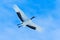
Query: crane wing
(34, 26)
(20, 13)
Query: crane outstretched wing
(34, 26)
(20, 13)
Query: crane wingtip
(15, 7)
(39, 29)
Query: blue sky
(47, 13)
